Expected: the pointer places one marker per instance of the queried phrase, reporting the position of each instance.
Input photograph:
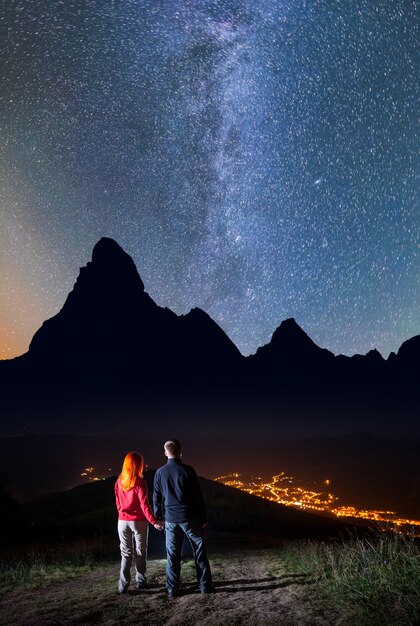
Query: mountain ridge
(111, 346)
(109, 256)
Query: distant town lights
(89, 473)
(280, 490)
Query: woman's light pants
(133, 543)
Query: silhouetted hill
(89, 510)
(364, 470)
(112, 352)
(55, 462)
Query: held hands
(159, 525)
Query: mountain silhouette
(110, 329)
(111, 335)
(291, 356)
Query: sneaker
(172, 593)
(122, 588)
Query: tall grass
(372, 581)
(38, 564)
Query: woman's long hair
(132, 470)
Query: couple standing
(177, 500)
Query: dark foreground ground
(372, 580)
(251, 588)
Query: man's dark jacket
(176, 493)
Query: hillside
(73, 535)
(265, 570)
(363, 470)
(89, 510)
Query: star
(257, 160)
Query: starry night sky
(257, 158)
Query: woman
(133, 512)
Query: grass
(372, 581)
(38, 565)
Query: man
(177, 499)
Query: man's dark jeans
(174, 533)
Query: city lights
(90, 474)
(285, 489)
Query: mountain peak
(109, 256)
(105, 248)
(289, 343)
(290, 324)
(291, 331)
(108, 289)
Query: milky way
(258, 159)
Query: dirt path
(251, 588)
